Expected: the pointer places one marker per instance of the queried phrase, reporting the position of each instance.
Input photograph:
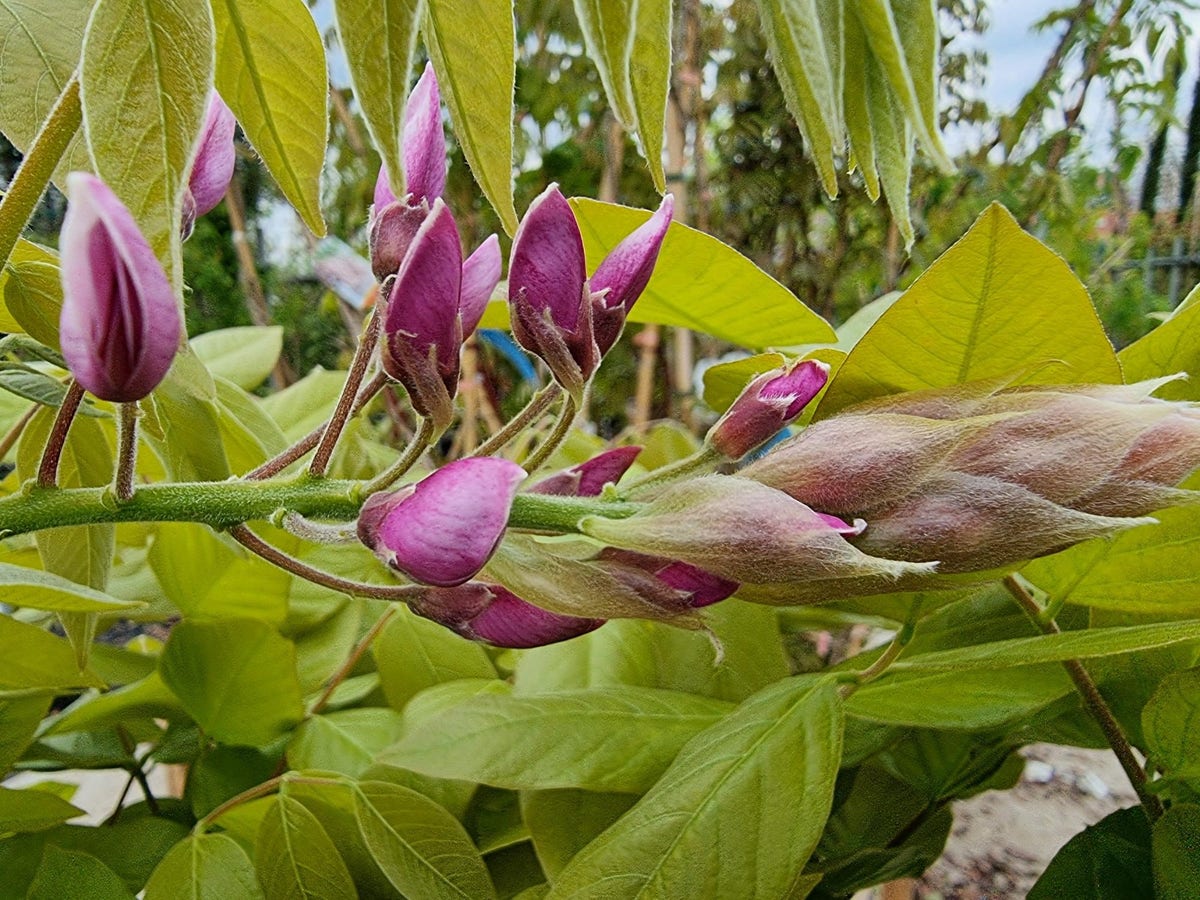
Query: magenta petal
(798, 386)
(383, 190)
(213, 169)
(120, 324)
(765, 406)
(843, 527)
(546, 270)
(589, 478)
(424, 140)
(480, 275)
(445, 528)
(422, 309)
(626, 271)
(512, 622)
(703, 588)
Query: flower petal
(626, 271)
(480, 275)
(424, 140)
(589, 478)
(546, 270)
(213, 169)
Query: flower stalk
(48, 470)
(561, 426)
(126, 451)
(345, 405)
(421, 440)
(538, 404)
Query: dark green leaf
(1175, 852)
(563, 822)
(1107, 861)
(72, 875)
(1171, 723)
(296, 858)
(204, 867)
(31, 810)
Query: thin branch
(407, 460)
(352, 660)
(537, 405)
(48, 470)
(126, 450)
(345, 404)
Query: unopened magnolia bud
(699, 587)
(213, 169)
(120, 324)
(443, 529)
(765, 406)
(589, 478)
(495, 615)
(971, 523)
(742, 531)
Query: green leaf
(32, 291)
(1175, 852)
(42, 42)
(301, 407)
(182, 422)
(1171, 723)
(243, 355)
(145, 75)
(608, 33)
(222, 772)
(146, 698)
(649, 79)
(1174, 346)
(296, 858)
(19, 720)
(770, 764)
(607, 739)
(1106, 861)
(975, 700)
(893, 148)
(34, 589)
(204, 867)
(31, 810)
(235, 677)
(1144, 570)
(795, 36)
(703, 284)
(997, 304)
(421, 848)
(29, 384)
(249, 435)
(413, 653)
(378, 40)
(35, 660)
(346, 742)
(67, 874)
(471, 44)
(271, 72)
(563, 822)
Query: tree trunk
(1158, 151)
(1191, 157)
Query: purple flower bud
(213, 169)
(556, 313)
(698, 587)
(495, 615)
(424, 141)
(383, 190)
(589, 478)
(622, 275)
(765, 406)
(390, 233)
(443, 529)
(424, 317)
(120, 324)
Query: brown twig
(48, 470)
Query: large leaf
(608, 33)
(1174, 847)
(35, 589)
(42, 41)
(421, 848)
(412, 654)
(1107, 861)
(1174, 346)
(271, 72)
(649, 79)
(1171, 724)
(183, 421)
(19, 719)
(561, 823)
(296, 858)
(31, 287)
(243, 355)
(703, 284)
(737, 814)
(33, 810)
(37, 660)
(144, 80)
(345, 742)
(80, 874)
(148, 697)
(998, 304)
(204, 867)
(607, 739)
(471, 44)
(235, 677)
(378, 40)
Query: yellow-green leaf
(893, 147)
(34, 589)
(295, 856)
(650, 77)
(378, 40)
(144, 80)
(1172, 347)
(701, 283)
(35, 660)
(204, 867)
(471, 44)
(997, 304)
(608, 28)
(32, 292)
(33, 810)
(271, 72)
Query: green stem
(48, 470)
(1094, 701)
(126, 450)
(703, 458)
(29, 183)
(352, 660)
(563, 424)
(279, 782)
(537, 405)
(890, 653)
(407, 459)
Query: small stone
(1038, 772)
(1092, 784)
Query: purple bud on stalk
(697, 587)
(556, 313)
(435, 301)
(495, 615)
(212, 169)
(589, 478)
(767, 404)
(443, 529)
(120, 324)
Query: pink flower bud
(743, 531)
(390, 233)
(433, 294)
(213, 169)
(495, 615)
(443, 529)
(699, 588)
(556, 313)
(765, 406)
(589, 478)
(120, 324)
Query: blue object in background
(510, 350)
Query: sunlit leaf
(412, 654)
(44, 590)
(244, 355)
(296, 858)
(649, 79)
(204, 867)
